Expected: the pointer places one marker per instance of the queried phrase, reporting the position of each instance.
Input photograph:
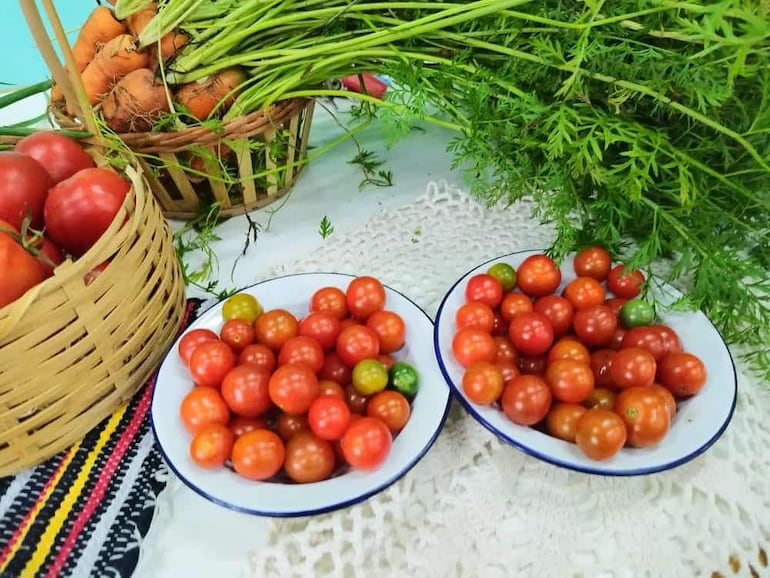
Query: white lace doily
(477, 507)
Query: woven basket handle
(66, 76)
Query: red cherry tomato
(364, 296)
(645, 414)
(237, 333)
(561, 421)
(258, 355)
(329, 387)
(569, 348)
(475, 315)
(633, 367)
(366, 443)
(616, 304)
(600, 433)
(334, 369)
(203, 406)
(390, 330)
(570, 381)
(191, 340)
(240, 425)
(483, 382)
(531, 333)
(24, 185)
(293, 387)
(625, 284)
(331, 300)
(59, 155)
(601, 360)
(328, 417)
(473, 345)
(559, 312)
(505, 350)
(258, 455)
(526, 400)
(323, 326)
(288, 425)
(211, 446)
(684, 374)
(275, 327)
(646, 338)
(302, 350)
(391, 407)
(484, 288)
(209, 363)
(513, 303)
(356, 343)
(671, 341)
(308, 458)
(594, 262)
(245, 390)
(584, 292)
(538, 275)
(533, 365)
(595, 326)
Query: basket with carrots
(194, 148)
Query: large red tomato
(60, 156)
(79, 209)
(19, 271)
(24, 185)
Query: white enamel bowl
(699, 421)
(224, 487)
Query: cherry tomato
(302, 350)
(237, 333)
(357, 342)
(570, 381)
(58, 154)
(667, 397)
(684, 374)
(323, 326)
(258, 455)
(289, 425)
(616, 304)
(356, 402)
(203, 406)
(211, 446)
(245, 390)
(504, 273)
(538, 275)
(483, 382)
(671, 342)
(526, 399)
(239, 424)
(391, 407)
(258, 355)
(475, 315)
(645, 414)
(569, 348)
(366, 443)
(601, 359)
(595, 326)
(625, 284)
(584, 292)
(191, 340)
(330, 299)
(78, 210)
(594, 262)
(276, 327)
(328, 417)
(499, 326)
(24, 185)
(390, 330)
(387, 360)
(308, 458)
(209, 363)
(636, 313)
(334, 369)
(531, 333)
(484, 288)
(241, 306)
(50, 256)
(600, 397)
(508, 369)
(561, 421)
(646, 338)
(329, 387)
(473, 345)
(633, 367)
(403, 378)
(559, 312)
(293, 387)
(505, 350)
(369, 376)
(513, 303)
(364, 296)
(600, 433)
(617, 338)
(533, 365)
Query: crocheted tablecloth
(475, 506)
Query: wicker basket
(269, 149)
(71, 353)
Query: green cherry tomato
(369, 376)
(242, 306)
(504, 273)
(403, 378)
(636, 313)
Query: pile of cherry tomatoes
(590, 365)
(282, 398)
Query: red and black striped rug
(85, 511)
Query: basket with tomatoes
(298, 397)
(583, 358)
(90, 292)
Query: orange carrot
(116, 59)
(171, 43)
(100, 27)
(218, 91)
(139, 19)
(210, 163)
(136, 102)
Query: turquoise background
(21, 63)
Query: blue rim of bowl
(332, 507)
(470, 408)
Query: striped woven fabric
(85, 511)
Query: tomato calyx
(29, 239)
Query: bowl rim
(315, 511)
(470, 407)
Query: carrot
(136, 102)
(99, 28)
(139, 19)
(210, 163)
(116, 59)
(217, 91)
